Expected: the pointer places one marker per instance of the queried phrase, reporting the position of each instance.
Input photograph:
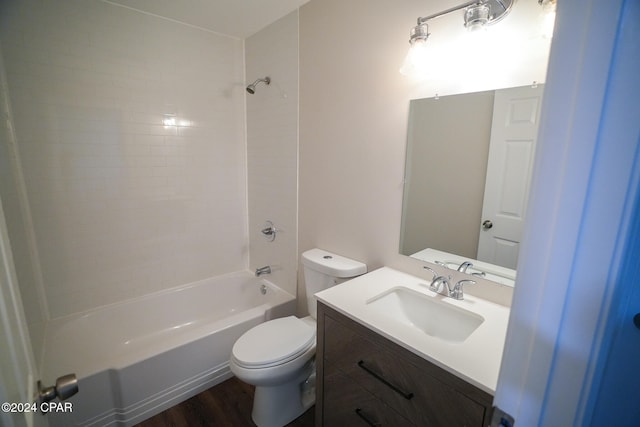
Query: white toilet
(278, 356)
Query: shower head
(252, 87)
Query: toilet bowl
(278, 356)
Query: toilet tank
(323, 269)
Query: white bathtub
(137, 358)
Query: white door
(514, 130)
(17, 366)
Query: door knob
(66, 386)
(487, 224)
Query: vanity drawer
(387, 372)
(348, 404)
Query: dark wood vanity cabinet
(365, 379)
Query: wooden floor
(228, 404)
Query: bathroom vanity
(375, 367)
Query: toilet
(278, 356)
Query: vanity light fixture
(477, 15)
(416, 59)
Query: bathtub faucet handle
(269, 231)
(263, 270)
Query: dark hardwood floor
(226, 405)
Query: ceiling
(235, 18)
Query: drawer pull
(380, 378)
(366, 419)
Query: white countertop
(476, 359)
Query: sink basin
(428, 314)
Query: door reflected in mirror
(467, 175)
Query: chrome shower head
(252, 87)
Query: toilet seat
(273, 343)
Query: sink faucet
(463, 267)
(263, 270)
(456, 292)
(441, 282)
(442, 285)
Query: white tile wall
(272, 148)
(131, 131)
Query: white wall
(131, 134)
(272, 148)
(17, 218)
(354, 109)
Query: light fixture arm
(423, 19)
(498, 9)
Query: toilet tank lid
(332, 264)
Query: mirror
(467, 174)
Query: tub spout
(263, 270)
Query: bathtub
(137, 358)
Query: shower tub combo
(137, 358)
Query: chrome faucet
(456, 292)
(263, 270)
(463, 267)
(440, 284)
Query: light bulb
(416, 61)
(476, 17)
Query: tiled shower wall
(130, 130)
(272, 148)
